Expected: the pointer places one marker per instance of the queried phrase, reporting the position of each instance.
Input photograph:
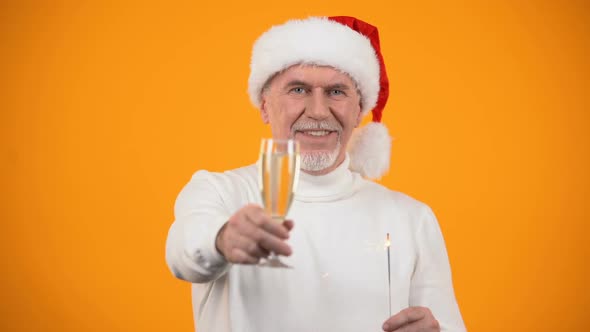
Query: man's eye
(336, 92)
(298, 90)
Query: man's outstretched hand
(250, 234)
(413, 319)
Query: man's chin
(318, 160)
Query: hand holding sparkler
(387, 245)
(412, 319)
(409, 319)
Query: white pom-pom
(370, 150)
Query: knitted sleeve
(199, 212)
(431, 284)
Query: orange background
(108, 108)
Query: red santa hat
(341, 42)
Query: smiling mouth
(316, 133)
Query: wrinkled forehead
(297, 69)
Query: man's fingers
(239, 256)
(276, 229)
(269, 234)
(250, 247)
(288, 224)
(257, 231)
(262, 220)
(426, 324)
(274, 244)
(404, 317)
(255, 234)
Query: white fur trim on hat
(369, 150)
(319, 41)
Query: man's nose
(317, 107)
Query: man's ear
(359, 117)
(263, 110)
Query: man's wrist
(218, 240)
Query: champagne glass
(278, 174)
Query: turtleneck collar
(328, 187)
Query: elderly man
(313, 80)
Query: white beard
(314, 161)
(319, 160)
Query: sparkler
(387, 245)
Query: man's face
(318, 106)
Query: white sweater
(339, 277)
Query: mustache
(316, 125)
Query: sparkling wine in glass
(278, 177)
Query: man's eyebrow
(296, 83)
(338, 86)
(335, 86)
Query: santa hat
(342, 42)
